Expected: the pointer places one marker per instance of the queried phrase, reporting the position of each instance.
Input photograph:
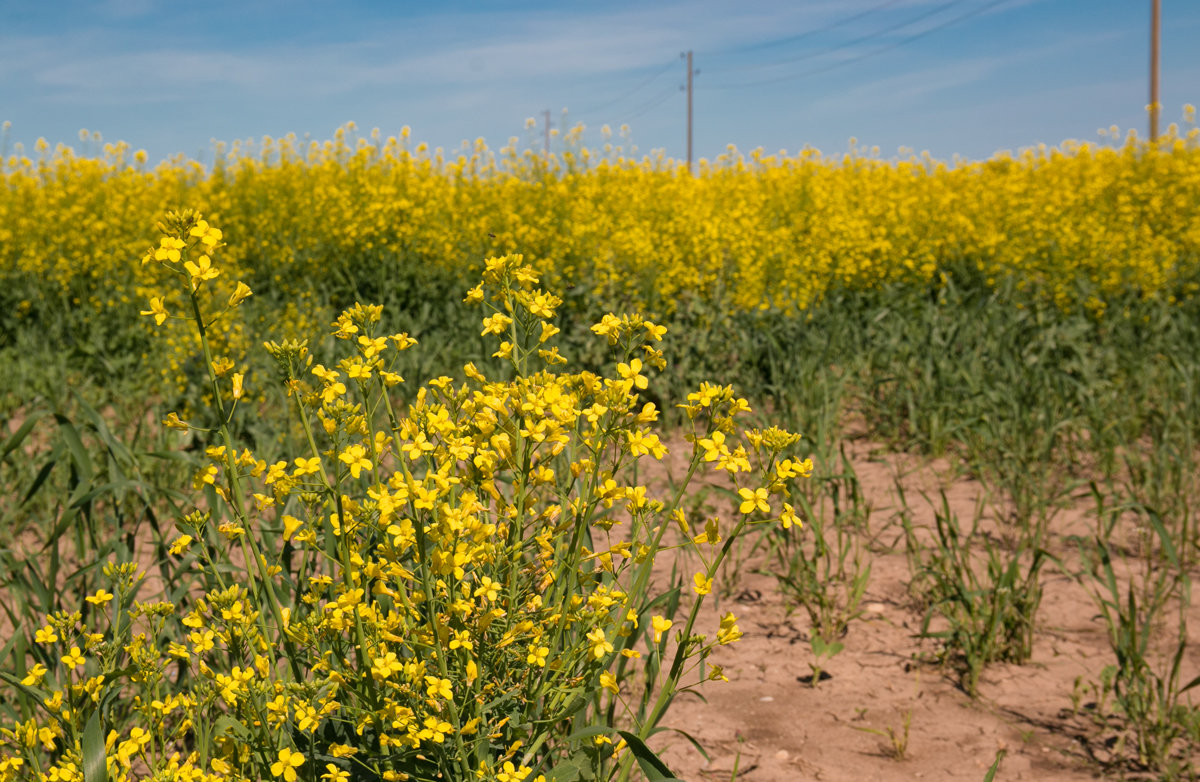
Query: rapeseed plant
(455, 589)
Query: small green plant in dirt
(988, 603)
(827, 571)
(1093, 696)
(458, 589)
(1149, 694)
(896, 737)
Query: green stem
(249, 547)
(669, 686)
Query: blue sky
(965, 77)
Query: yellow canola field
(747, 230)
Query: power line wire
(653, 103)
(855, 41)
(767, 44)
(808, 34)
(628, 93)
(865, 55)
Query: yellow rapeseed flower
(100, 597)
(754, 499)
(168, 249)
(631, 373)
(201, 270)
(289, 760)
(34, 676)
(600, 644)
(240, 294)
(356, 457)
(789, 517)
(537, 655)
(157, 310)
(335, 774)
(73, 659)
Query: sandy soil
(772, 725)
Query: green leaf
(227, 725)
(38, 480)
(18, 436)
(692, 739)
(991, 774)
(571, 770)
(65, 522)
(821, 648)
(1189, 685)
(117, 448)
(79, 454)
(35, 694)
(1167, 544)
(16, 647)
(653, 767)
(95, 765)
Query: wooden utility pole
(546, 128)
(689, 108)
(1155, 24)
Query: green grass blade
(651, 765)
(991, 773)
(79, 454)
(95, 766)
(18, 437)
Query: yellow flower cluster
(447, 591)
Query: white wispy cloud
(435, 51)
(914, 85)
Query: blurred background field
(1100, 233)
(778, 271)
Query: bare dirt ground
(772, 725)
